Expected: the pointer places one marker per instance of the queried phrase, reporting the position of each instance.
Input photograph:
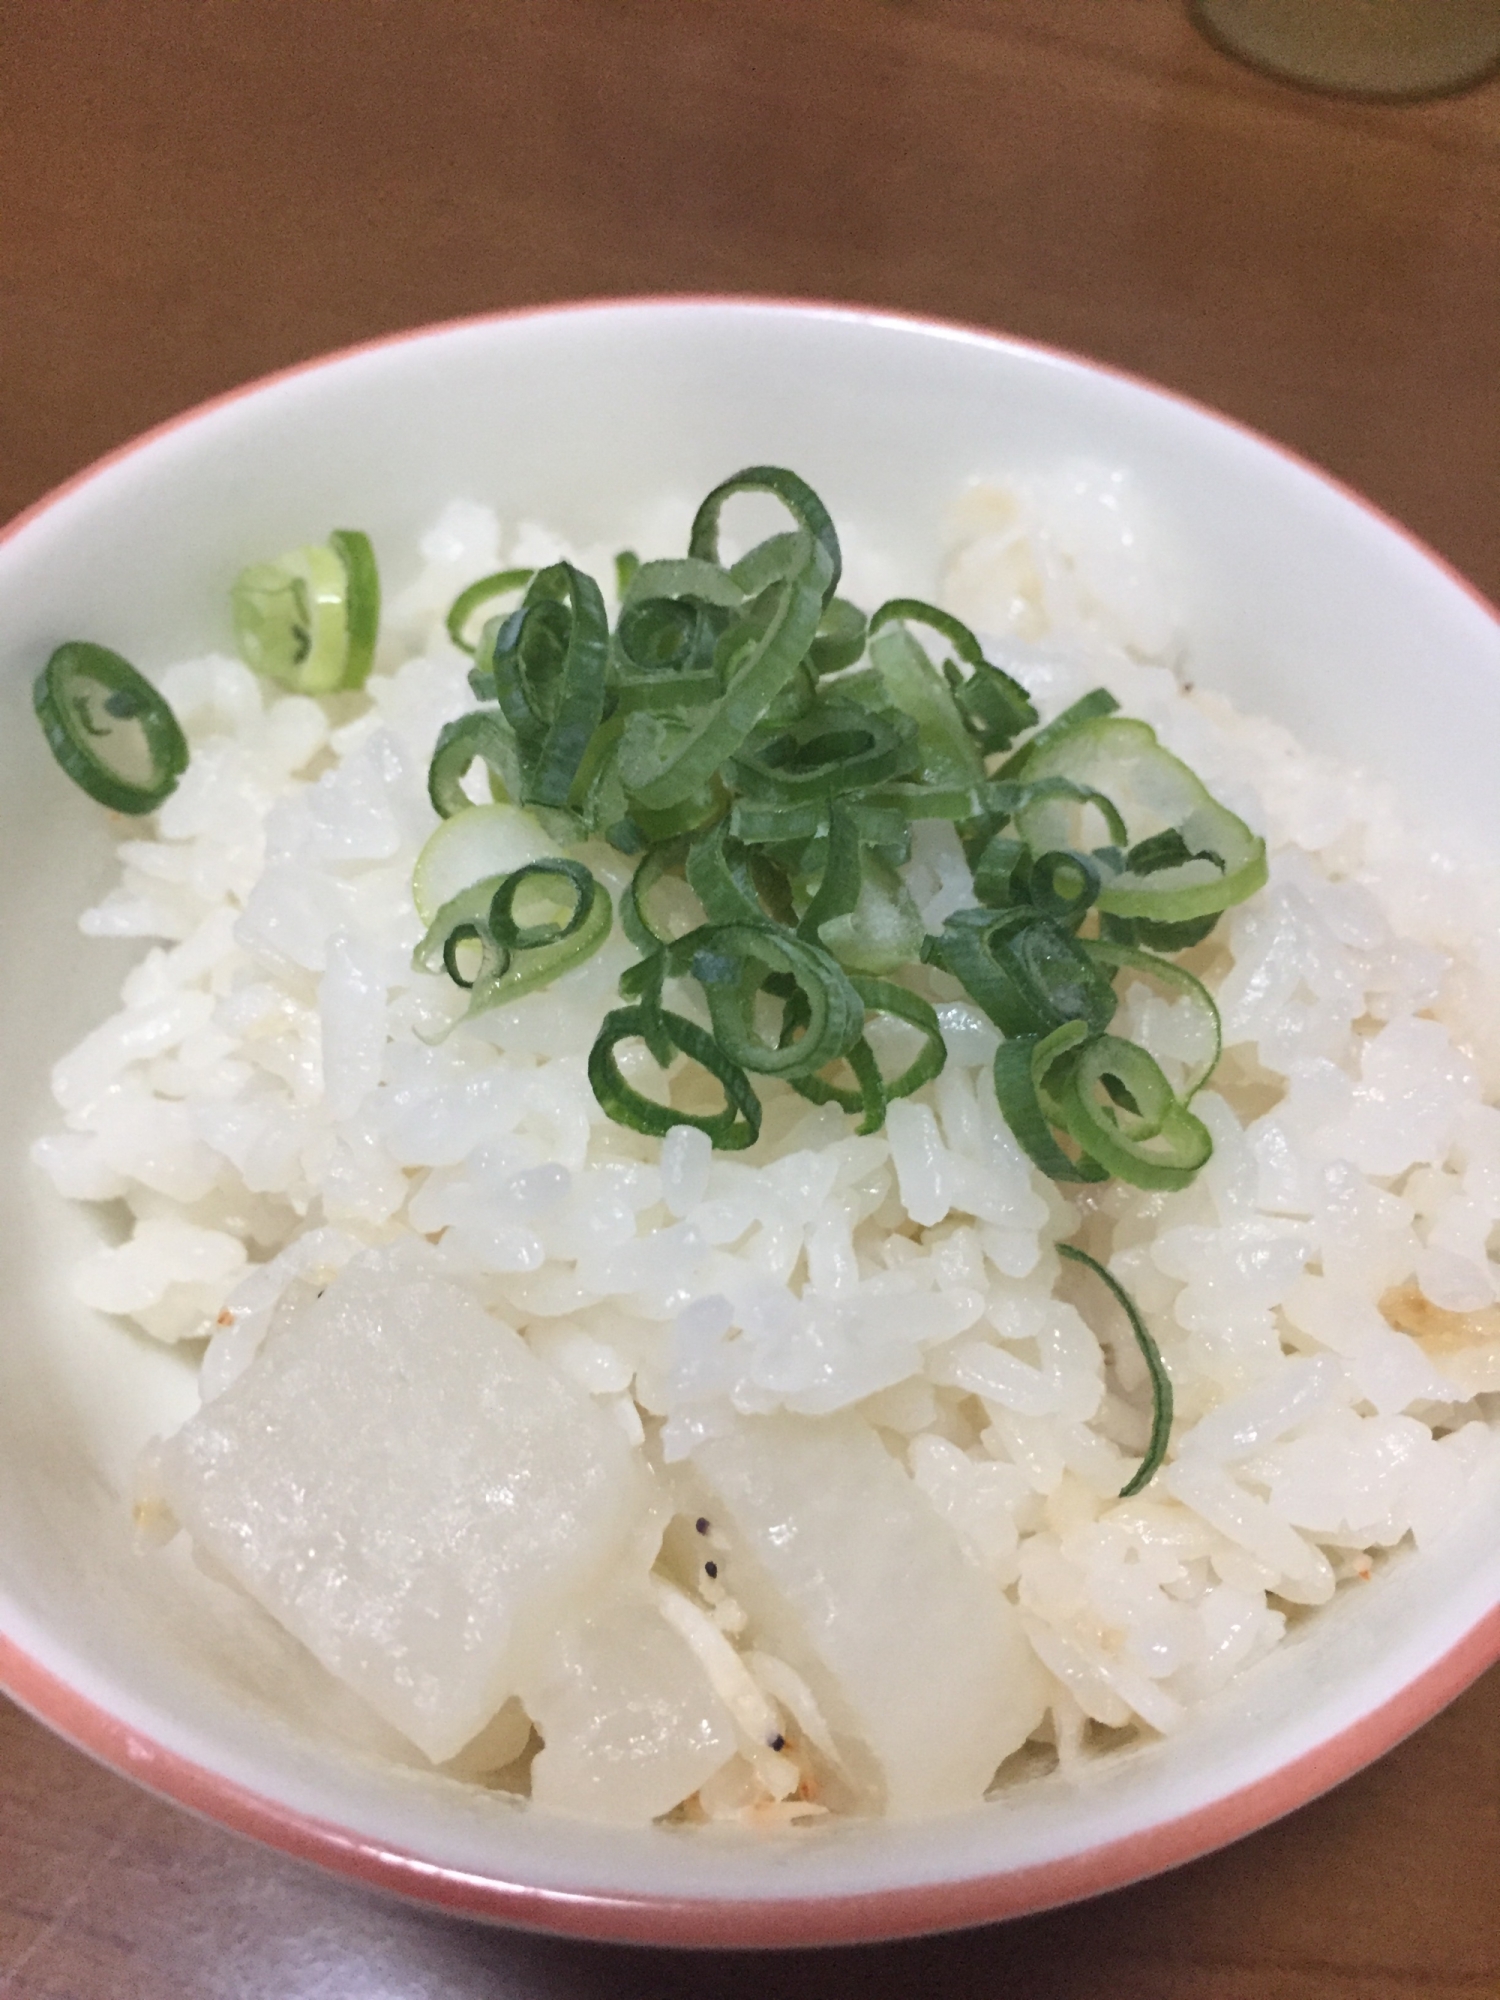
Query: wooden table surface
(192, 194)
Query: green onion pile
(746, 731)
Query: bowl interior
(1299, 602)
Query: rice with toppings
(824, 1443)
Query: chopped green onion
(872, 1091)
(634, 920)
(1150, 857)
(309, 620)
(882, 996)
(510, 935)
(1027, 973)
(719, 874)
(734, 962)
(882, 931)
(1022, 1064)
(839, 884)
(994, 708)
(485, 591)
(516, 961)
(481, 735)
(530, 970)
(1007, 798)
(1158, 936)
(1087, 708)
(1063, 886)
(1002, 872)
(666, 650)
(361, 603)
(806, 509)
(960, 803)
(834, 747)
(707, 735)
(736, 1126)
(1161, 1381)
(868, 1097)
(492, 962)
(1115, 1102)
(840, 638)
(662, 760)
(547, 663)
(1177, 977)
(1214, 861)
(950, 758)
(463, 919)
(109, 728)
(682, 580)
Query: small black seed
(778, 1743)
(711, 1569)
(701, 1524)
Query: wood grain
(191, 195)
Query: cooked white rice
(278, 1096)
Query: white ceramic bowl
(1301, 602)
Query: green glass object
(1360, 48)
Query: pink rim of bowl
(705, 1921)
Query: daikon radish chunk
(497, 1746)
(915, 1657)
(630, 1722)
(403, 1484)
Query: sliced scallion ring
(736, 1126)
(309, 620)
(538, 966)
(1002, 872)
(664, 761)
(1177, 978)
(719, 874)
(1064, 886)
(548, 663)
(463, 919)
(839, 884)
(869, 1095)
(361, 603)
(1026, 972)
(950, 759)
(833, 747)
(109, 728)
(1022, 1066)
(794, 494)
(734, 963)
(840, 637)
(1156, 1368)
(484, 591)
(481, 735)
(289, 619)
(1115, 1102)
(1087, 708)
(508, 970)
(882, 930)
(994, 707)
(635, 916)
(512, 936)
(874, 1091)
(453, 945)
(1157, 795)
